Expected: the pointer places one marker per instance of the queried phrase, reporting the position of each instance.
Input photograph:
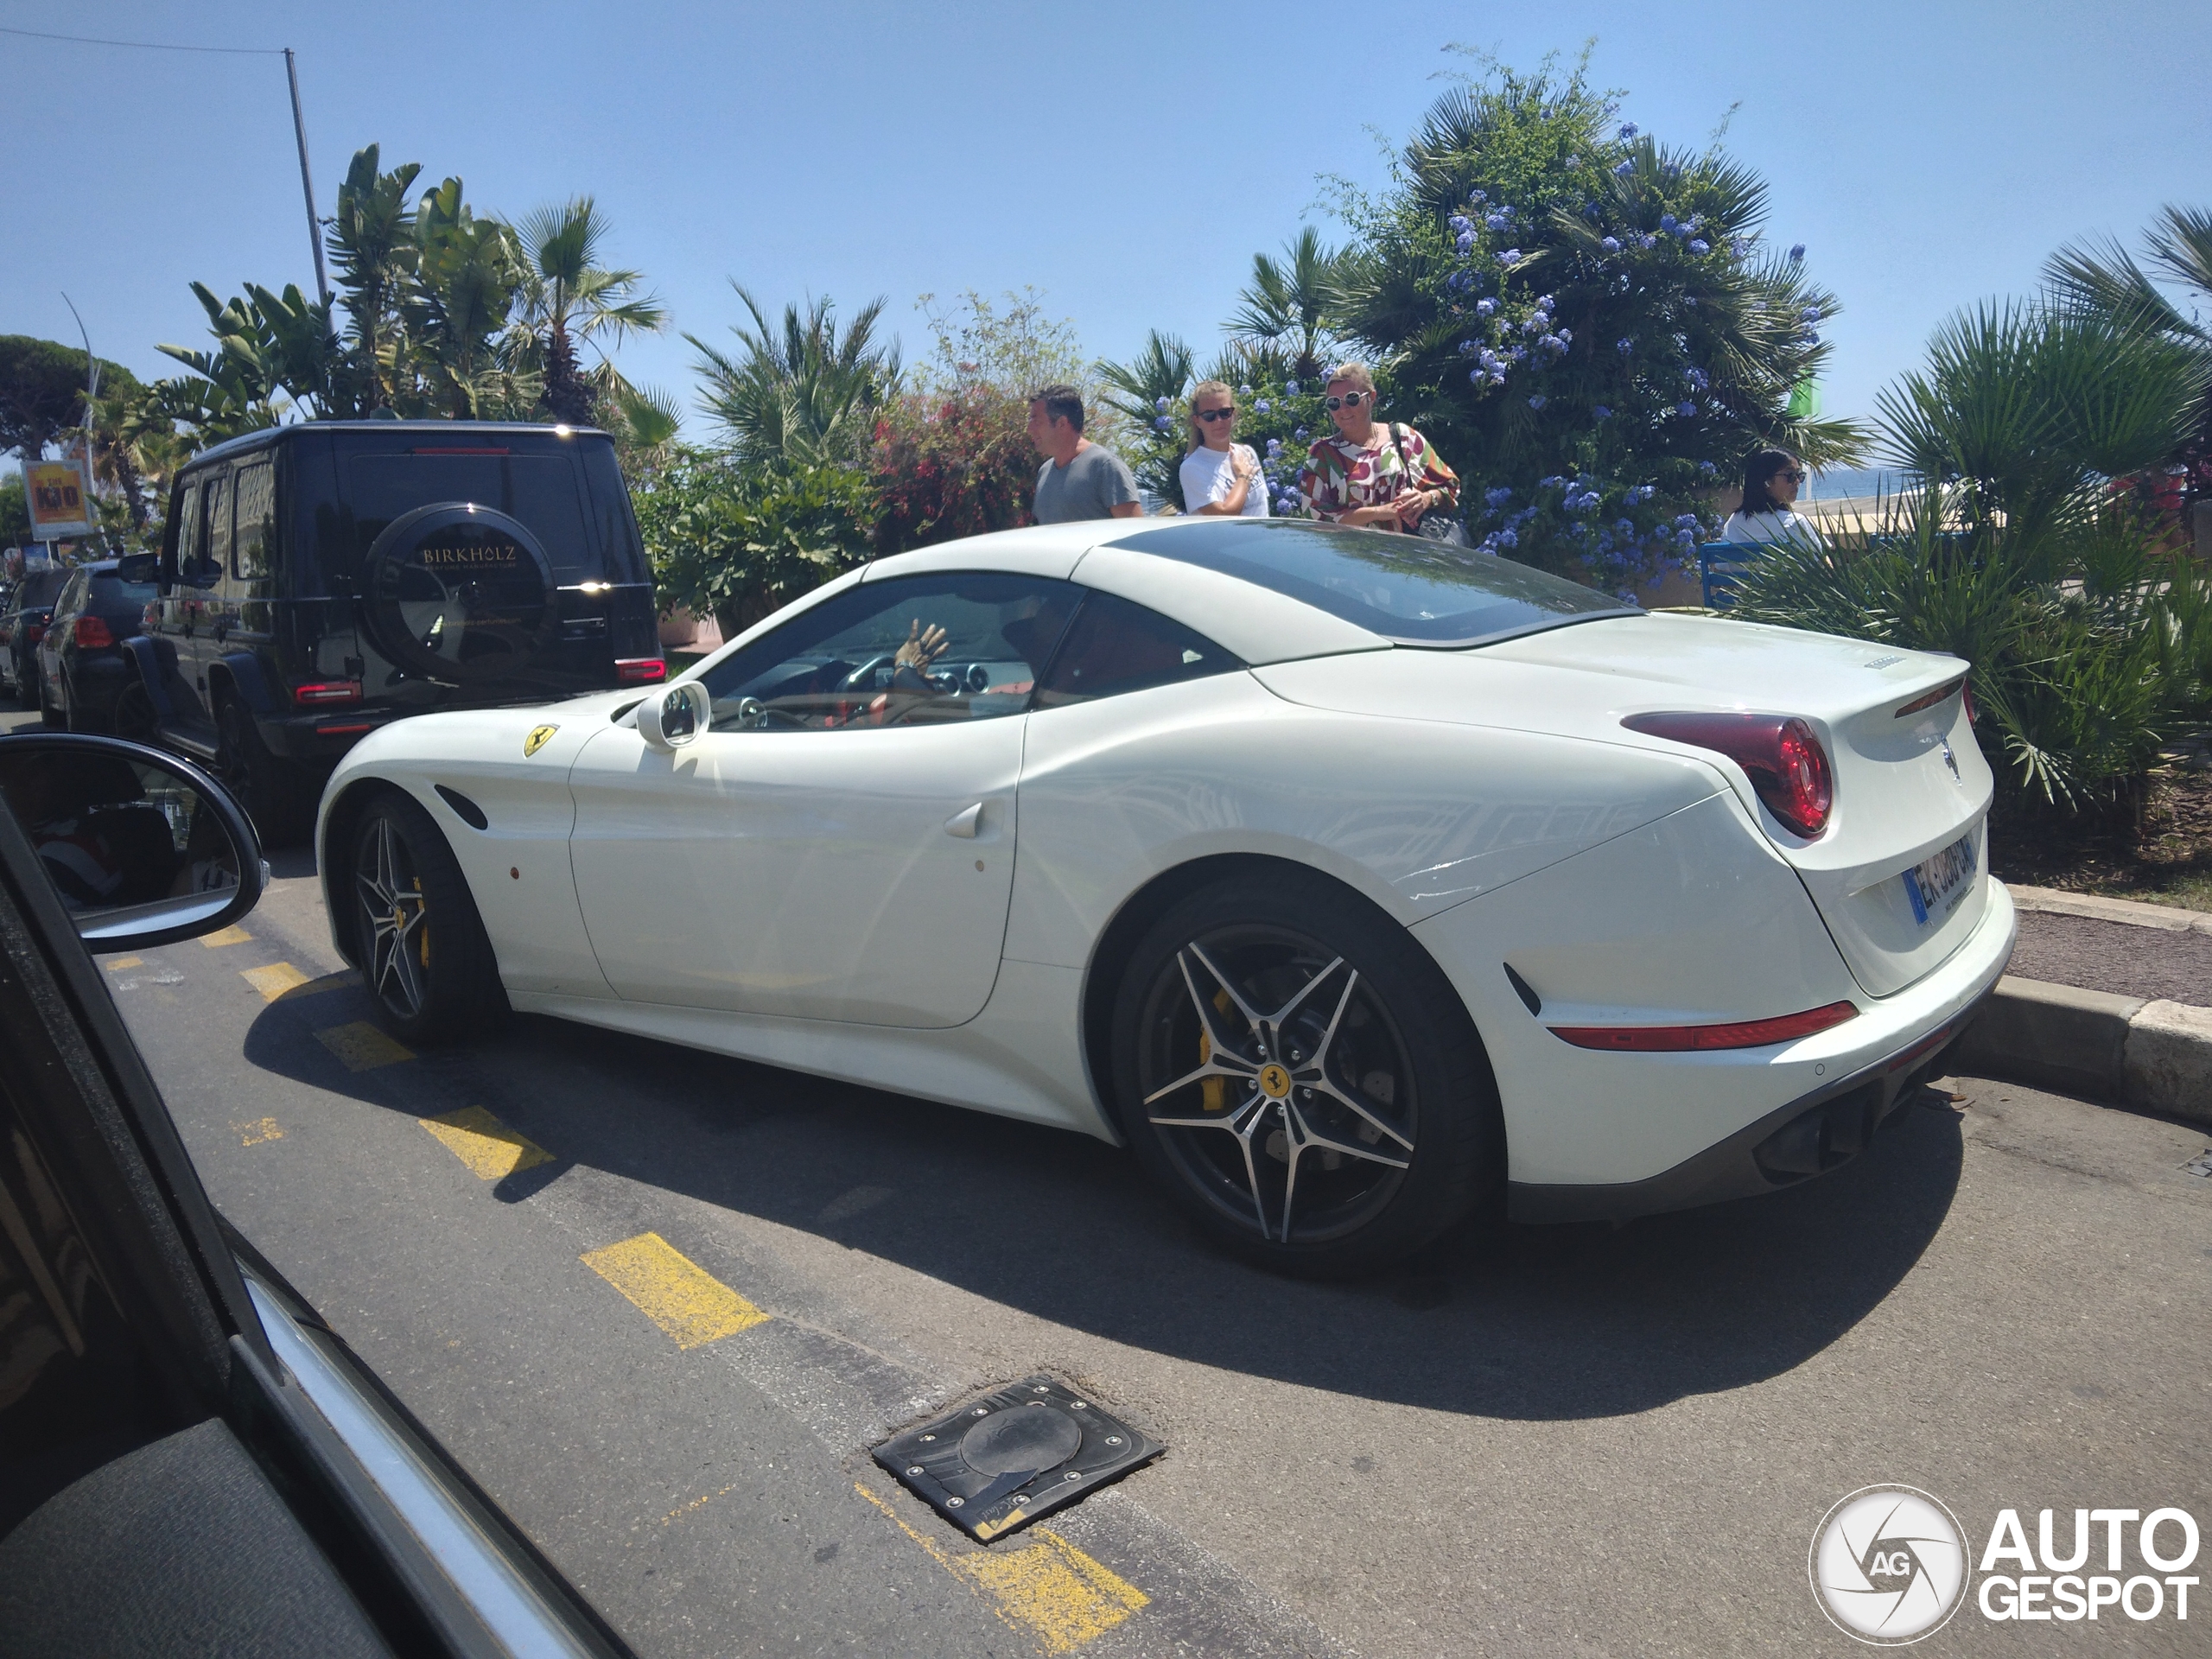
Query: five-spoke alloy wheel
(1302, 1076)
(418, 939)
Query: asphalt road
(1571, 1441)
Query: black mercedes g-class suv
(320, 581)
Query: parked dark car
(80, 660)
(22, 625)
(320, 581)
(191, 1462)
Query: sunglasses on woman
(1229, 414)
(1794, 477)
(1349, 400)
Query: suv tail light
(91, 632)
(1788, 767)
(1740, 1034)
(322, 693)
(33, 632)
(640, 670)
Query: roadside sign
(60, 500)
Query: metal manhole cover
(1005, 1458)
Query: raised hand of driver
(923, 646)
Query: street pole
(91, 390)
(306, 184)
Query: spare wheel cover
(460, 592)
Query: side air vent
(1524, 990)
(464, 808)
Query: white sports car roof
(1201, 571)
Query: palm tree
(806, 392)
(567, 300)
(466, 274)
(2103, 279)
(1288, 305)
(372, 244)
(1143, 390)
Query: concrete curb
(2127, 1051)
(2170, 918)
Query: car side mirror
(675, 715)
(138, 566)
(143, 848)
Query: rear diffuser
(1005, 1458)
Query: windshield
(1408, 590)
(41, 588)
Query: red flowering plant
(952, 464)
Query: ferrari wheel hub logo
(1274, 1082)
(538, 738)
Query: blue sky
(1126, 159)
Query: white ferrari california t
(1351, 879)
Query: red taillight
(1778, 752)
(1973, 716)
(640, 670)
(33, 632)
(91, 631)
(322, 693)
(1741, 1033)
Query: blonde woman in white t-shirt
(1220, 476)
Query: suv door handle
(965, 824)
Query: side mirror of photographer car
(672, 717)
(145, 849)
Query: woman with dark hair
(1772, 479)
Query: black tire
(79, 718)
(277, 796)
(1375, 1066)
(134, 717)
(47, 714)
(421, 944)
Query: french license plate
(1936, 885)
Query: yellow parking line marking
(699, 1503)
(261, 1129)
(361, 1046)
(336, 981)
(673, 1291)
(491, 1149)
(117, 965)
(273, 980)
(1050, 1593)
(228, 935)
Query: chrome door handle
(965, 824)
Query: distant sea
(1841, 481)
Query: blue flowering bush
(1589, 326)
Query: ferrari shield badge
(538, 738)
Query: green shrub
(738, 542)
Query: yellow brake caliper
(1213, 1092)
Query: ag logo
(538, 738)
(1888, 1565)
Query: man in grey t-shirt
(1079, 480)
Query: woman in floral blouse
(1383, 476)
